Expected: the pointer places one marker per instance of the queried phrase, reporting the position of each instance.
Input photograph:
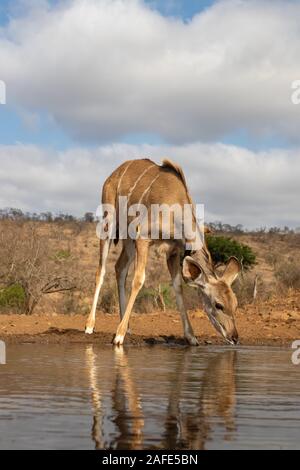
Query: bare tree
(89, 217)
(26, 259)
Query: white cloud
(236, 185)
(104, 69)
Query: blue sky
(184, 9)
(207, 84)
(46, 132)
(4, 11)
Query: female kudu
(143, 182)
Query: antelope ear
(232, 270)
(192, 272)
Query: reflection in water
(79, 397)
(127, 405)
(183, 429)
(96, 399)
(216, 400)
(218, 397)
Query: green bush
(12, 296)
(149, 298)
(167, 295)
(222, 248)
(146, 293)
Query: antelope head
(220, 302)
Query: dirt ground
(275, 322)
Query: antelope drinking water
(143, 182)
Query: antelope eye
(219, 306)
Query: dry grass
(73, 247)
(288, 274)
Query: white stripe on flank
(120, 180)
(139, 178)
(148, 188)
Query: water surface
(85, 397)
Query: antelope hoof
(89, 330)
(118, 340)
(192, 340)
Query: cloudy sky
(91, 83)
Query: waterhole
(85, 397)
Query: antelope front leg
(142, 247)
(104, 249)
(174, 268)
(121, 268)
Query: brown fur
(148, 183)
(144, 182)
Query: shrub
(28, 260)
(109, 298)
(288, 274)
(222, 248)
(244, 289)
(12, 296)
(167, 295)
(150, 298)
(274, 258)
(146, 300)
